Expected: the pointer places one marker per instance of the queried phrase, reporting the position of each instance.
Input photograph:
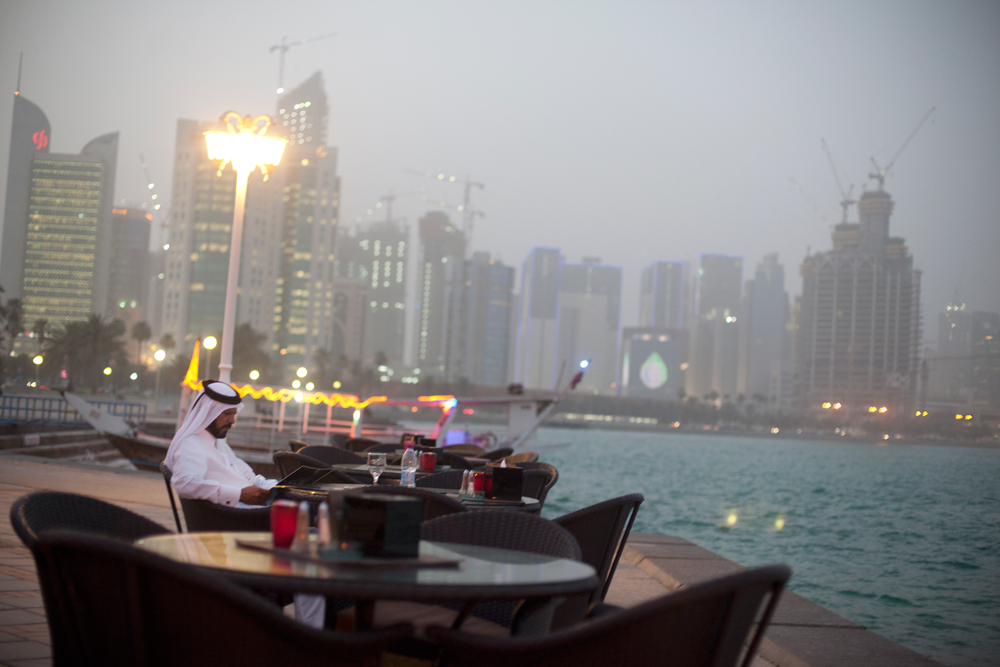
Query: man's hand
(254, 495)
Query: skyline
(685, 122)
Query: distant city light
(837, 406)
(166, 246)
(107, 370)
(584, 363)
(37, 360)
(883, 409)
(296, 384)
(309, 386)
(336, 384)
(134, 376)
(827, 406)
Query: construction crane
(282, 49)
(387, 200)
(880, 173)
(468, 213)
(845, 196)
(809, 200)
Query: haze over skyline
(630, 132)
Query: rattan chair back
(297, 445)
(467, 449)
(706, 625)
(289, 462)
(359, 444)
(538, 465)
(332, 455)
(498, 454)
(121, 605)
(451, 480)
(382, 447)
(520, 457)
(435, 504)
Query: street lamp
(244, 145)
(38, 362)
(159, 355)
(209, 344)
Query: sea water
(901, 539)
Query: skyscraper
(763, 323)
(661, 295)
(57, 221)
(479, 304)
(128, 279)
(715, 330)
(860, 319)
(376, 254)
(985, 338)
(304, 310)
(535, 364)
(589, 320)
(441, 242)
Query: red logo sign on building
(40, 139)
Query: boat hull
(146, 453)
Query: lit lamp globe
(210, 343)
(242, 143)
(254, 375)
(37, 360)
(160, 355)
(302, 372)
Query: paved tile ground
(24, 634)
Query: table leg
(364, 615)
(330, 619)
(462, 615)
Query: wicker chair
(382, 447)
(204, 515)
(456, 461)
(506, 530)
(289, 462)
(435, 504)
(331, 455)
(120, 605)
(39, 513)
(705, 625)
(520, 457)
(536, 484)
(602, 531)
(538, 465)
(465, 450)
(498, 454)
(359, 444)
(451, 480)
(297, 445)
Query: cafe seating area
(451, 571)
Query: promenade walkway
(24, 634)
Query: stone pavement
(24, 633)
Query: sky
(628, 131)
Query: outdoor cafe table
(483, 573)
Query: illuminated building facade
(714, 354)
(350, 313)
(651, 362)
(441, 242)
(590, 297)
(479, 304)
(304, 309)
(661, 295)
(376, 254)
(128, 280)
(57, 222)
(536, 330)
(859, 326)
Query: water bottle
(409, 465)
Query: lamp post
(244, 145)
(38, 362)
(159, 355)
(209, 344)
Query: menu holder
(386, 526)
(359, 563)
(508, 483)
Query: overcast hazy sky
(629, 131)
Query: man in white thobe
(204, 467)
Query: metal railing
(51, 411)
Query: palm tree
(140, 334)
(93, 344)
(39, 330)
(14, 319)
(249, 353)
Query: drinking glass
(376, 465)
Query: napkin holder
(386, 526)
(508, 483)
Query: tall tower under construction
(859, 328)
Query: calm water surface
(904, 540)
